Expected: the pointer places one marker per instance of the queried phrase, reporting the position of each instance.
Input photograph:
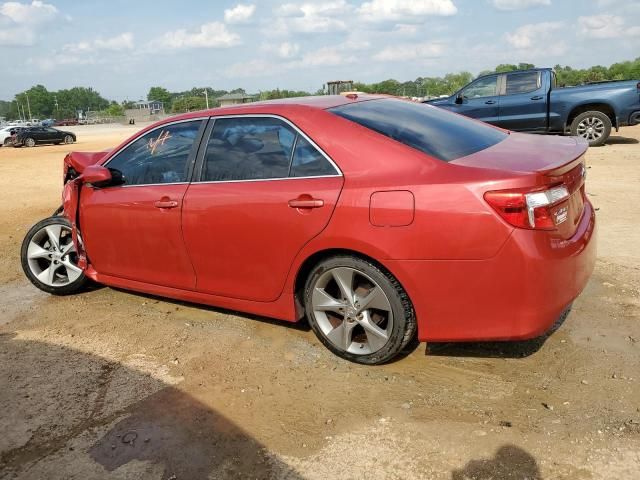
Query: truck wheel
(593, 126)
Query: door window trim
(202, 151)
(191, 159)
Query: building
(235, 99)
(144, 111)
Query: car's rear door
(523, 103)
(134, 230)
(264, 190)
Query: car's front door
(265, 190)
(523, 103)
(53, 135)
(479, 100)
(133, 230)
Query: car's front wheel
(68, 139)
(358, 310)
(49, 258)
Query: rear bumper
(516, 295)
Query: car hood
(521, 152)
(80, 160)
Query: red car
(376, 218)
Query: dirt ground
(116, 385)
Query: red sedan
(377, 219)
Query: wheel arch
(313, 259)
(598, 106)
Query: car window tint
(308, 161)
(522, 82)
(434, 131)
(248, 148)
(159, 156)
(485, 87)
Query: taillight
(526, 208)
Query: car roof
(281, 105)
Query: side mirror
(459, 98)
(96, 175)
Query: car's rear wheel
(49, 258)
(7, 142)
(68, 139)
(29, 142)
(358, 310)
(593, 126)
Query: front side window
(247, 148)
(485, 87)
(522, 82)
(431, 130)
(159, 156)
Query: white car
(5, 134)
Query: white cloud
(405, 10)
(602, 26)
(284, 50)
(36, 12)
(310, 18)
(326, 57)
(532, 35)
(18, 21)
(510, 5)
(409, 51)
(210, 35)
(123, 41)
(239, 14)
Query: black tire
(403, 328)
(7, 142)
(68, 139)
(29, 142)
(597, 118)
(76, 286)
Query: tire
(593, 126)
(7, 142)
(29, 142)
(68, 139)
(46, 243)
(379, 329)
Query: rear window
(434, 131)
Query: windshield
(431, 130)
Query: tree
(188, 104)
(115, 110)
(160, 94)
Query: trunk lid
(539, 163)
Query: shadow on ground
(509, 463)
(69, 414)
(617, 140)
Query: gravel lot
(115, 385)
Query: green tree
(188, 104)
(115, 110)
(160, 94)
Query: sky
(123, 47)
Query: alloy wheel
(52, 256)
(68, 139)
(30, 142)
(352, 311)
(591, 128)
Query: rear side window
(522, 82)
(431, 130)
(248, 149)
(308, 161)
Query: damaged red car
(375, 218)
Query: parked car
(31, 136)
(6, 135)
(66, 122)
(375, 217)
(531, 101)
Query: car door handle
(490, 102)
(166, 203)
(537, 97)
(306, 203)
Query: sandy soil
(114, 385)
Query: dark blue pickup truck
(530, 101)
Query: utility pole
(28, 105)
(56, 104)
(206, 96)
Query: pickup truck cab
(531, 101)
